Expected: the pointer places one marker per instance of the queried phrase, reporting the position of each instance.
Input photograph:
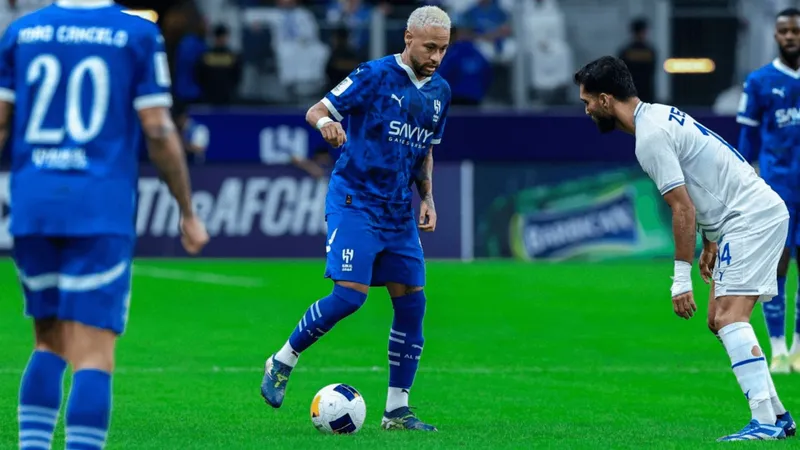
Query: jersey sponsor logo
(280, 206)
(342, 87)
(785, 117)
(60, 158)
(406, 134)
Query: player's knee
(410, 309)
(712, 325)
(397, 290)
(347, 300)
(358, 287)
(413, 302)
(88, 347)
(725, 318)
(49, 336)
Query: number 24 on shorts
(724, 261)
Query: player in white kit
(709, 187)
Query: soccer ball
(338, 409)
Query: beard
(789, 56)
(605, 124)
(419, 68)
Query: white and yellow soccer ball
(338, 409)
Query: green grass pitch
(574, 355)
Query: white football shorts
(747, 261)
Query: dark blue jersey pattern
(77, 77)
(771, 103)
(393, 120)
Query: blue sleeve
(8, 65)
(153, 80)
(749, 142)
(750, 110)
(438, 132)
(353, 93)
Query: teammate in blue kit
(397, 108)
(770, 116)
(82, 80)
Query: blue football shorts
(360, 252)
(81, 279)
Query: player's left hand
(707, 260)
(193, 234)
(684, 305)
(427, 215)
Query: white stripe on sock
(25, 418)
(26, 435)
(34, 444)
(38, 410)
(85, 441)
(98, 433)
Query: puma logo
(399, 100)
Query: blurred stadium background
(539, 215)
(522, 174)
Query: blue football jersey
(77, 75)
(393, 119)
(771, 101)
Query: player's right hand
(334, 134)
(193, 235)
(684, 305)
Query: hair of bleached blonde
(428, 16)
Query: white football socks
(397, 398)
(750, 367)
(777, 406)
(778, 346)
(287, 355)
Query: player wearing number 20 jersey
(81, 76)
(76, 89)
(709, 186)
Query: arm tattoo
(424, 180)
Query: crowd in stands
(291, 51)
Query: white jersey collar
(781, 67)
(418, 83)
(637, 110)
(84, 4)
